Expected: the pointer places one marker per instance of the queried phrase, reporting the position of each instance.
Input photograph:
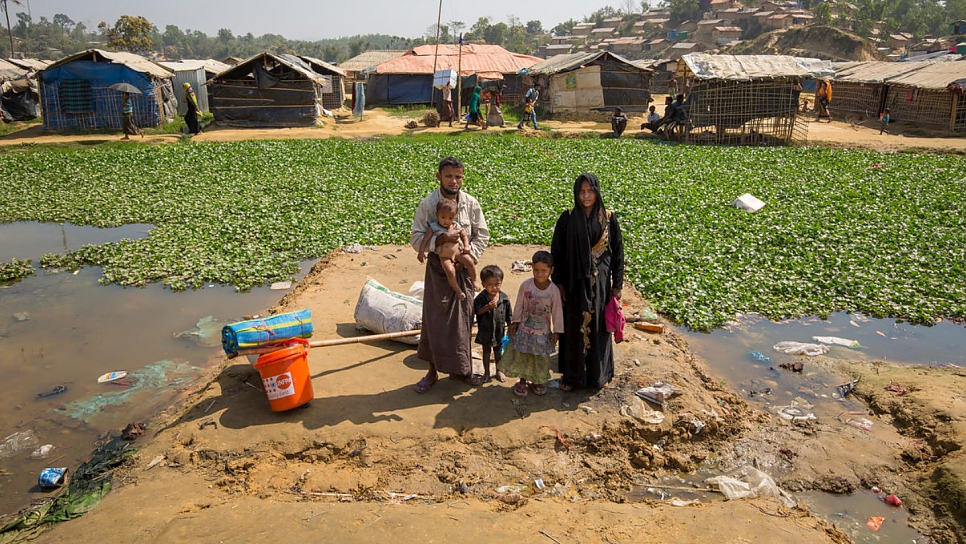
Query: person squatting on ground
(493, 312)
(653, 119)
(537, 322)
(530, 107)
(446, 338)
(618, 122)
(450, 253)
(588, 246)
(127, 108)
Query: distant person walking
(530, 107)
(193, 113)
(475, 108)
(884, 120)
(127, 108)
(448, 112)
(618, 122)
(494, 114)
(823, 97)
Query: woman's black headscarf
(584, 231)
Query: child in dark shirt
(493, 312)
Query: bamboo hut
(859, 88)
(931, 96)
(593, 82)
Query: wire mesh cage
(761, 112)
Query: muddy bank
(369, 458)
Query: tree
(683, 10)
(129, 33)
(458, 27)
(564, 28)
(6, 11)
(478, 30)
(534, 28)
(64, 22)
(823, 14)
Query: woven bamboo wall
(863, 100)
(933, 109)
(759, 112)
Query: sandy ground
(370, 459)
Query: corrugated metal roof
(10, 71)
(934, 76)
(485, 60)
(751, 67)
(211, 66)
(873, 71)
(132, 61)
(30, 64)
(370, 58)
(566, 63)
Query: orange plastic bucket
(285, 375)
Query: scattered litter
(51, 477)
(797, 366)
(759, 392)
(658, 392)
(132, 431)
(649, 327)
(880, 333)
(799, 348)
(111, 376)
(698, 425)
(863, 423)
(750, 483)
(637, 409)
(847, 388)
(356, 248)
(42, 452)
(789, 454)
(21, 316)
(837, 341)
(158, 377)
(281, 285)
(17, 442)
(759, 356)
(55, 391)
(155, 462)
(682, 502)
(207, 424)
(539, 483)
(893, 501)
(593, 437)
(794, 413)
(207, 332)
(521, 266)
(748, 203)
(896, 388)
(510, 489)
(648, 314)
(875, 522)
(854, 324)
(586, 408)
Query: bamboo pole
(432, 90)
(459, 82)
(334, 342)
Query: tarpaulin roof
(9, 71)
(290, 61)
(751, 67)
(132, 61)
(566, 63)
(324, 66)
(488, 61)
(30, 64)
(211, 66)
(873, 71)
(370, 58)
(933, 76)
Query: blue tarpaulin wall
(76, 96)
(399, 89)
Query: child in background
(884, 119)
(452, 252)
(537, 321)
(492, 308)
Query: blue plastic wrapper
(51, 477)
(503, 343)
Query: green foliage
(15, 270)
(129, 33)
(842, 230)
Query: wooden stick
(334, 342)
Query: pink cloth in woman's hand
(614, 319)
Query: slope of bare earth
(823, 42)
(370, 459)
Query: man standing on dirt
(445, 341)
(530, 100)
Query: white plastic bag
(381, 310)
(752, 483)
(799, 348)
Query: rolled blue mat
(269, 330)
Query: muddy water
(732, 353)
(64, 329)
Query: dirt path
(370, 459)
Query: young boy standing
(493, 312)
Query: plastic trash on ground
(18, 442)
(658, 392)
(794, 413)
(759, 356)
(381, 310)
(749, 482)
(799, 348)
(748, 203)
(637, 409)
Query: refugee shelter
(594, 81)
(32, 65)
(746, 99)
(859, 88)
(408, 79)
(75, 93)
(931, 96)
(333, 94)
(19, 95)
(195, 72)
(355, 66)
(268, 90)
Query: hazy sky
(314, 19)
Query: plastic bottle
(759, 356)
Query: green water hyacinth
(842, 230)
(15, 270)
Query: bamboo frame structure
(759, 112)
